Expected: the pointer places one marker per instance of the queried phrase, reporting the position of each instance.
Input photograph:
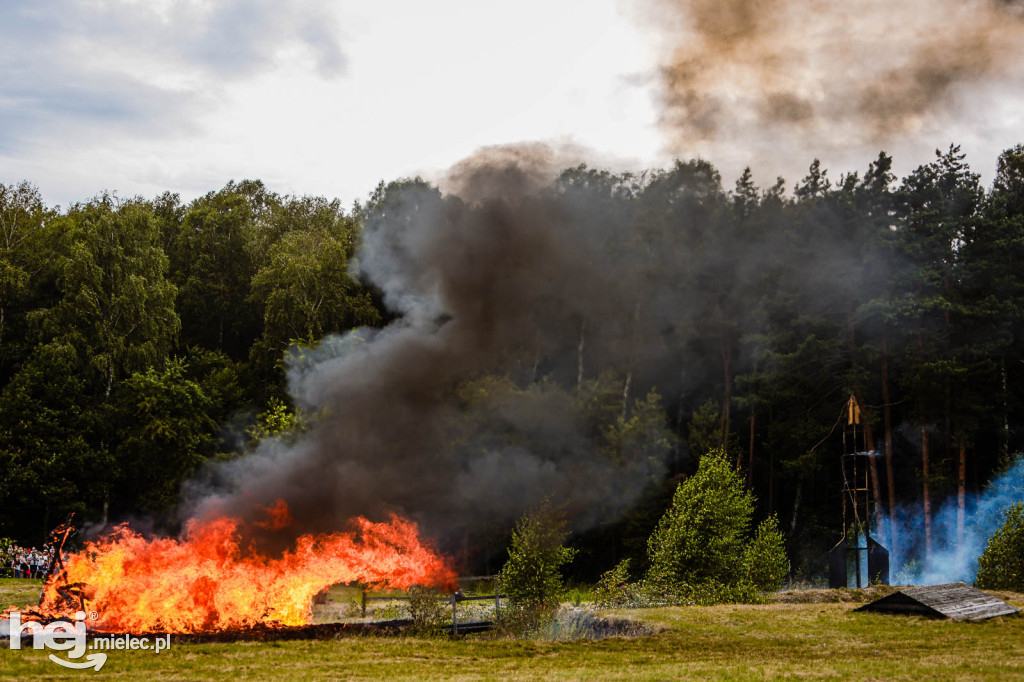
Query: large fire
(208, 581)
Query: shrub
(531, 579)
(1001, 564)
(614, 589)
(701, 551)
(713, 592)
(427, 610)
(765, 560)
(5, 545)
(702, 535)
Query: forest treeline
(141, 338)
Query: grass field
(807, 640)
(19, 592)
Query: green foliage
(276, 421)
(531, 578)
(215, 249)
(614, 588)
(427, 607)
(98, 299)
(49, 465)
(1001, 564)
(5, 570)
(701, 551)
(165, 431)
(640, 434)
(24, 228)
(304, 284)
(115, 306)
(703, 534)
(578, 594)
(712, 592)
(765, 559)
(705, 431)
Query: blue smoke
(952, 558)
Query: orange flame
(205, 581)
(278, 516)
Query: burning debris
(209, 580)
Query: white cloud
(89, 73)
(330, 96)
(312, 97)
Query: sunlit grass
(19, 592)
(817, 641)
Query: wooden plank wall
(958, 601)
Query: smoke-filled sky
(329, 96)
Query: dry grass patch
(843, 595)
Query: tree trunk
(625, 395)
(682, 401)
(961, 491)
(579, 357)
(750, 459)
(887, 422)
(796, 508)
(926, 494)
(876, 489)
(727, 391)
(630, 360)
(925, 460)
(1004, 444)
(948, 425)
(753, 419)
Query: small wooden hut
(958, 601)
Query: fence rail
(454, 600)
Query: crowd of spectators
(25, 562)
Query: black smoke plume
(464, 412)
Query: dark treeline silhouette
(143, 340)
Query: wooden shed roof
(958, 601)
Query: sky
(329, 97)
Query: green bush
(1001, 564)
(531, 579)
(427, 608)
(701, 551)
(713, 592)
(5, 545)
(614, 588)
(702, 535)
(766, 562)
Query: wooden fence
(455, 599)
